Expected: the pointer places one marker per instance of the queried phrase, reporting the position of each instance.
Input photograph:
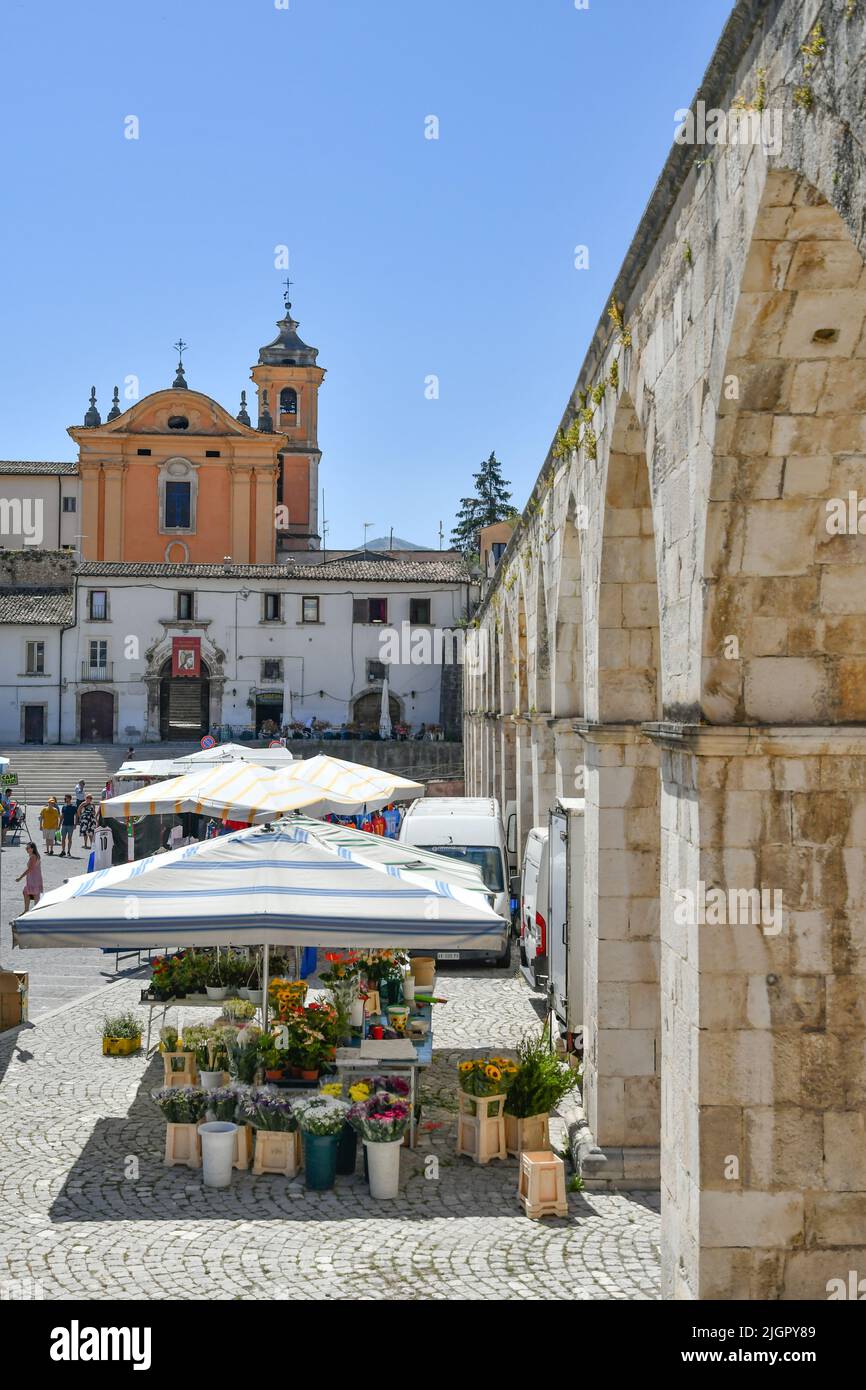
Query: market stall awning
(373, 786)
(208, 757)
(279, 885)
(237, 791)
(459, 873)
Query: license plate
(447, 955)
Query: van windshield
(485, 857)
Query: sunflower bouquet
(486, 1076)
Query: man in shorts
(68, 812)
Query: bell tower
(287, 380)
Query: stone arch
(629, 685)
(567, 673)
(784, 631)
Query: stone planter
(531, 1133)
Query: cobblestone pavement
(90, 1211)
(56, 977)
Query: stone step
(51, 770)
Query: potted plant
(183, 1108)
(272, 1058)
(252, 987)
(211, 1053)
(284, 996)
(244, 1053)
(382, 1122)
(238, 1011)
(272, 1115)
(539, 1083)
(320, 1119)
(121, 1034)
(347, 1142)
(216, 986)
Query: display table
(349, 1059)
(189, 1001)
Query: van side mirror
(514, 885)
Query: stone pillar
(523, 780)
(764, 1011)
(265, 525)
(543, 769)
(240, 519)
(622, 1055)
(113, 502)
(568, 759)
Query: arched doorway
(184, 703)
(368, 709)
(96, 717)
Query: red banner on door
(186, 656)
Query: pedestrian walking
(32, 876)
(79, 793)
(86, 817)
(49, 823)
(68, 812)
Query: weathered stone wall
(672, 598)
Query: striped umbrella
(275, 885)
(372, 786)
(237, 791)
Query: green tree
(492, 502)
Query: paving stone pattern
(91, 1212)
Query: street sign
(208, 741)
(9, 779)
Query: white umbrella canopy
(237, 791)
(233, 752)
(371, 786)
(385, 851)
(275, 885)
(385, 729)
(220, 753)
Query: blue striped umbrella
(279, 885)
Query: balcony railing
(105, 672)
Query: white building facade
(271, 644)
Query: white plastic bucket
(409, 989)
(383, 1166)
(357, 1017)
(217, 1149)
(210, 1080)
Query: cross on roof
(181, 347)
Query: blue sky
(411, 257)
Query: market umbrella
(385, 713)
(237, 791)
(221, 753)
(373, 786)
(234, 752)
(273, 885)
(458, 872)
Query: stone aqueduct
(674, 629)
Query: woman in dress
(87, 820)
(32, 876)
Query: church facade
(170, 582)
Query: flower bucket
(424, 971)
(217, 1152)
(210, 1080)
(320, 1160)
(383, 1167)
(398, 1017)
(347, 1150)
(356, 1018)
(255, 996)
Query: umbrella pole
(265, 970)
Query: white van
(534, 906)
(467, 828)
